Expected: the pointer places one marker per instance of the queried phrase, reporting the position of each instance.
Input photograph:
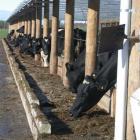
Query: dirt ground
(95, 124)
(13, 122)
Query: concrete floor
(13, 122)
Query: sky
(9, 5)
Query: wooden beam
(9, 28)
(134, 67)
(46, 19)
(26, 25)
(16, 26)
(91, 39)
(55, 25)
(33, 30)
(22, 22)
(29, 24)
(38, 21)
(69, 19)
(38, 27)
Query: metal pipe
(122, 75)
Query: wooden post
(55, 24)
(26, 25)
(16, 27)
(46, 19)
(22, 22)
(134, 67)
(38, 24)
(69, 18)
(33, 29)
(18, 24)
(38, 19)
(9, 27)
(12, 26)
(113, 103)
(29, 24)
(91, 39)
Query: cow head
(36, 44)
(88, 95)
(45, 51)
(60, 48)
(69, 67)
(74, 76)
(79, 41)
(46, 45)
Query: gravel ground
(95, 124)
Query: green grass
(3, 33)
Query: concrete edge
(38, 122)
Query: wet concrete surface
(13, 121)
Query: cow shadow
(22, 67)
(59, 127)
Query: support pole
(91, 39)
(29, 24)
(26, 25)
(16, 27)
(55, 25)
(38, 25)
(69, 19)
(9, 28)
(46, 19)
(18, 24)
(38, 19)
(33, 29)
(122, 75)
(23, 22)
(134, 70)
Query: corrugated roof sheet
(109, 9)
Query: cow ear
(69, 66)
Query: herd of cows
(89, 89)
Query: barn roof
(109, 9)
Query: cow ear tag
(111, 39)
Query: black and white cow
(11, 38)
(20, 30)
(76, 70)
(60, 41)
(36, 45)
(46, 47)
(19, 40)
(45, 51)
(77, 46)
(93, 88)
(79, 41)
(25, 44)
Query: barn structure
(37, 16)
